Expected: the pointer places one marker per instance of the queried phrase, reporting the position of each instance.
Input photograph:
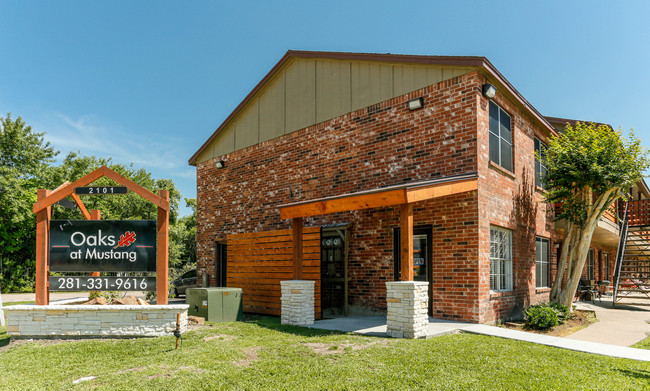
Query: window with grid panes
(500, 137)
(540, 162)
(542, 263)
(607, 271)
(500, 259)
(590, 265)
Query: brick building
(330, 139)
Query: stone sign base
(87, 321)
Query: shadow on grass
(4, 338)
(273, 323)
(636, 373)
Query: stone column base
(298, 302)
(407, 305)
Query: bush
(541, 317)
(563, 312)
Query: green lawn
(263, 355)
(645, 344)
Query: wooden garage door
(257, 262)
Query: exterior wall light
(219, 164)
(416, 103)
(489, 91)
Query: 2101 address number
(102, 283)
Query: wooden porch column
(95, 215)
(296, 226)
(42, 242)
(162, 254)
(406, 241)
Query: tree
(589, 167)
(24, 161)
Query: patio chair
(587, 291)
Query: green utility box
(215, 304)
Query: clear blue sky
(149, 81)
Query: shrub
(541, 317)
(563, 312)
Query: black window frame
(498, 137)
(540, 162)
(590, 264)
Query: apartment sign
(102, 246)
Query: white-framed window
(590, 265)
(500, 137)
(542, 262)
(500, 259)
(540, 162)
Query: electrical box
(215, 304)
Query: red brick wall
(502, 203)
(381, 145)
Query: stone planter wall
(54, 321)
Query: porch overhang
(403, 195)
(382, 197)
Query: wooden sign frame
(43, 210)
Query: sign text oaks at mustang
(102, 246)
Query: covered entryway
(404, 196)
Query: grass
(644, 344)
(262, 354)
(17, 303)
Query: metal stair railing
(620, 253)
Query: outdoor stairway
(632, 273)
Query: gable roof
(482, 64)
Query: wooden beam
(345, 204)
(66, 190)
(137, 189)
(42, 231)
(406, 242)
(82, 207)
(296, 226)
(377, 199)
(440, 190)
(162, 253)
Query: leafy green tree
(589, 167)
(24, 159)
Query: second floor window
(500, 137)
(540, 162)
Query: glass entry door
(334, 271)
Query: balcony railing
(638, 212)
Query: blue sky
(148, 82)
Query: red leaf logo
(126, 239)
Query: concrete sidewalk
(376, 326)
(54, 296)
(624, 325)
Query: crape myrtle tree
(589, 167)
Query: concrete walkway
(376, 326)
(624, 325)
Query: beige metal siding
(309, 91)
(300, 83)
(272, 110)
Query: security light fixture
(489, 91)
(416, 103)
(219, 164)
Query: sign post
(2, 315)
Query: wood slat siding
(259, 261)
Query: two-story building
(372, 154)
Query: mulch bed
(578, 321)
